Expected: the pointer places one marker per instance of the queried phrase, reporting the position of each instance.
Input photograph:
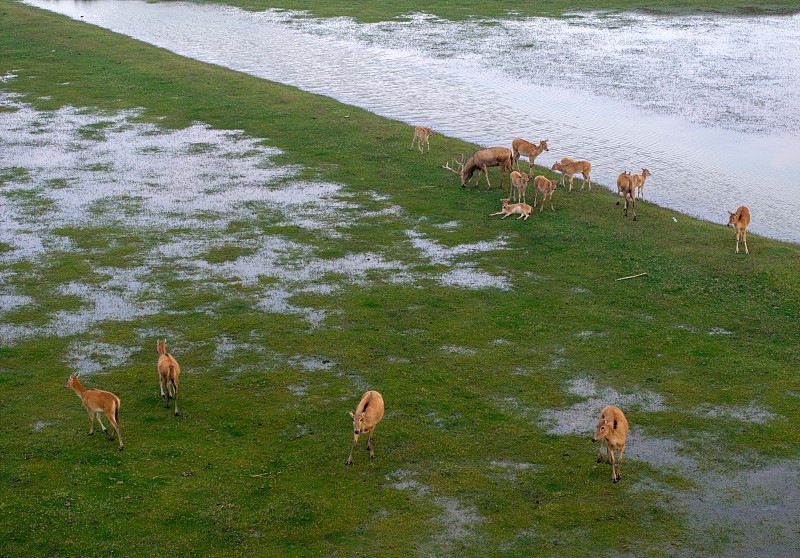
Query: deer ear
(615, 424)
(363, 414)
(352, 416)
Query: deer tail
(116, 413)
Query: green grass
(186, 487)
(363, 10)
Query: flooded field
(625, 91)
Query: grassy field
(380, 11)
(495, 343)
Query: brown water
(709, 104)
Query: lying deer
(521, 209)
(627, 187)
(519, 185)
(612, 430)
(421, 135)
(739, 222)
(97, 401)
(168, 373)
(367, 416)
(572, 168)
(546, 187)
(638, 182)
(530, 150)
(480, 161)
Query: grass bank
(478, 454)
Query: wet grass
(384, 11)
(254, 464)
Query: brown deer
(168, 373)
(612, 430)
(563, 162)
(626, 187)
(521, 209)
(530, 150)
(367, 416)
(97, 401)
(739, 222)
(546, 187)
(480, 161)
(638, 182)
(575, 167)
(421, 135)
(519, 185)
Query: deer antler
(459, 164)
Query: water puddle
(587, 83)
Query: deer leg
(633, 206)
(619, 463)
(370, 446)
(91, 422)
(102, 426)
(115, 424)
(600, 454)
(496, 213)
(486, 172)
(505, 215)
(613, 463)
(175, 386)
(352, 448)
(412, 143)
(744, 236)
(551, 202)
(161, 386)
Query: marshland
(295, 254)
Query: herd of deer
(612, 427)
(630, 186)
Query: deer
(480, 161)
(572, 168)
(563, 162)
(626, 186)
(739, 222)
(369, 413)
(531, 150)
(421, 135)
(168, 373)
(519, 184)
(97, 401)
(638, 182)
(612, 430)
(546, 187)
(521, 209)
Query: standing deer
(168, 373)
(546, 187)
(97, 401)
(530, 150)
(480, 161)
(367, 416)
(627, 187)
(739, 222)
(421, 135)
(612, 430)
(572, 168)
(563, 162)
(519, 185)
(638, 182)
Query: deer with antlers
(530, 150)
(481, 160)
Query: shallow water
(624, 91)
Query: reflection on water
(707, 103)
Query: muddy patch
(95, 357)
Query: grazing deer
(546, 187)
(739, 222)
(563, 162)
(367, 416)
(480, 161)
(638, 182)
(168, 373)
(519, 185)
(521, 209)
(97, 401)
(531, 150)
(572, 168)
(627, 187)
(421, 135)
(612, 429)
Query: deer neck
(78, 388)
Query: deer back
(742, 217)
(371, 405)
